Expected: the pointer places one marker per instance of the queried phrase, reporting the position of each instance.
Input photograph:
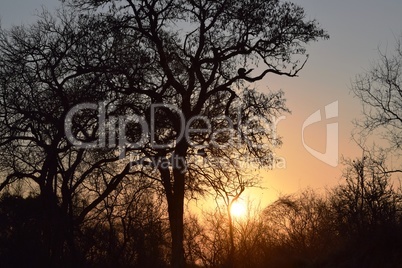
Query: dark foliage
(21, 227)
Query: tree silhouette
(368, 200)
(195, 49)
(180, 67)
(43, 76)
(227, 181)
(366, 210)
(129, 229)
(301, 225)
(380, 93)
(20, 231)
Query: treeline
(355, 224)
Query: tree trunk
(230, 260)
(175, 207)
(52, 230)
(173, 183)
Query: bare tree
(380, 93)
(198, 56)
(214, 239)
(211, 244)
(193, 59)
(43, 77)
(368, 200)
(129, 229)
(228, 181)
(301, 225)
(251, 237)
(194, 239)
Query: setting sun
(238, 209)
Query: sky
(357, 29)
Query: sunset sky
(358, 28)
